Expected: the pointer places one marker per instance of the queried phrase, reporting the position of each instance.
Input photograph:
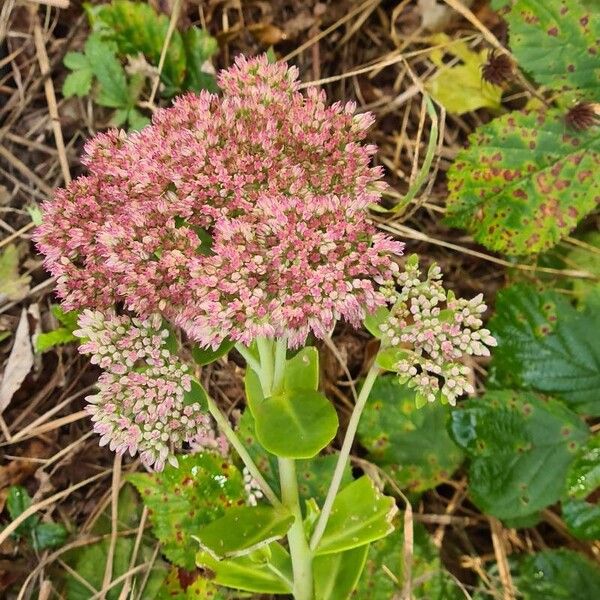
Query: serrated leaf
(580, 513)
(185, 585)
(512, 438)
(544, 344)
(336, 575)
(17, 502)
(183, 499)
(361, 514)
(199, 46)
(458, 88)
(524, 182)
(78, 83)
(48, 535)
(585, 259)
(410, 443)
(109, 72)
(558, 42)
(557, 575)
(12, 285)
(244, 529)
(252, 573)
(383, 577)
(295, 423)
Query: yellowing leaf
(12, 285)
(459, 88)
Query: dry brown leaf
(267, 34)
(19, 362)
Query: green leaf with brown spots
(580, 509)
(182, 499)
(558, 43)
(409, 443)
(544, 344)
(524, 182)
(520, 446)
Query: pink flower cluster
(141, 405)
(236, 216)
(432, 340)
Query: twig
(502, 560)
(54, 3)
(42, 57)
(114, 524)
(165, 48)
(25, 170)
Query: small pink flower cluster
(432, 340)
(141, 405)
(239, 216)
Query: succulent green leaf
(295, 423)
(388, 358)
(313, 474)
(558, 42)
(383, 577)
(302, 370)
(244, 529)
(205, 356)
(336, 575)
(557, 575)
(544, 344)
(410, 443)
(360, 515)
(512, 438)
(182, 499)
(262, 572)
(374, 320)
(524, 182)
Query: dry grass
(374, 52)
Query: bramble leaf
(557, 574)
(580, 514)
(60, 335)
(558, 42)
(183, 499)
(360, 514)
(524, 182)
(409, 443)
(512, 438)
(544, 344)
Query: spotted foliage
(524, 182)
(181, 500)
(558, 42)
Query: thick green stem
(298, 544)
(235, 441)
(343, 456)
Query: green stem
(235, 441)
(280, 358)
(298, 544)
(265, 372)
(250, 360)
(343, 456)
